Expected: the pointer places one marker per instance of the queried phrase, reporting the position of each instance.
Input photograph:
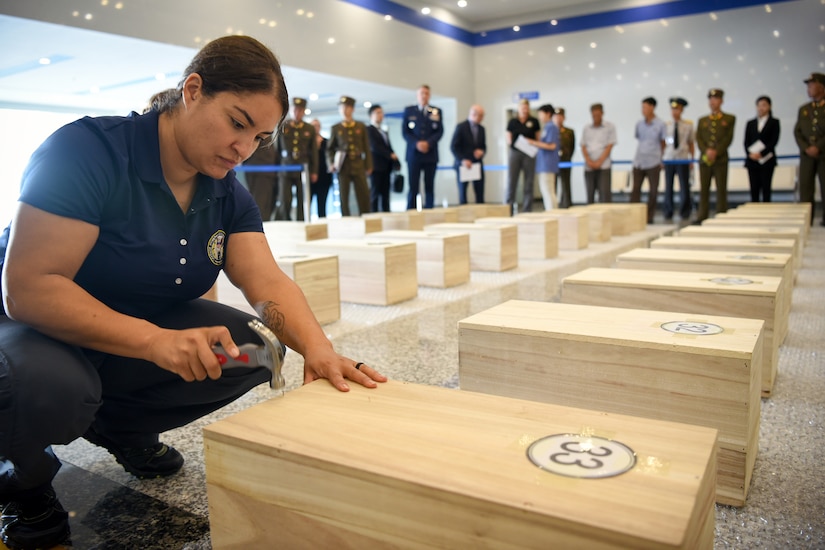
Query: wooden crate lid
(302, 258)
(470, 227)
(711, 257)
(304, 231)
(418, 235)
(518, 220)
(623, 327)
(724, 242)
(364, 243)
(677, 280)
(473, 447)
(771, 232)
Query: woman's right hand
(189, 354)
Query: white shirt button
(183, 242)
(178, 281)
(182, 261)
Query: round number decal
(686, 327)
(581, 456)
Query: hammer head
(276, 352)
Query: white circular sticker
(731, 281)
(749, 257)
(582, 456)
(685, 327)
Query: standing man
(714, 136)
(469, 145)
(547, 159)
(296, 145)
(568, 147)
(679, 146)
(422, 130)
(263, 186)
(349, 146)
(384, 161)
(519, 162)
(651, 135)
(598, 140)
(810, 137)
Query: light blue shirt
(548, 161)
(650, 135)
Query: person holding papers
(469, 145)
(522, 157)
(547, 159)
(598, 140)
(761, 137)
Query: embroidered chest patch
(216, 247)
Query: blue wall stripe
(677, 8)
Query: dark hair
(650, 101)
(374, 107)
(547, 108)
(238, 64)
(596, 106)
(764, 98)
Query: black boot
(159, 460)
(33, 519)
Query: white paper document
(756, 147)
(525, 146)
(338, 162)
(473, 173)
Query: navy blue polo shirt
(149, 255)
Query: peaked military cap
(346, 100)
(716, 92)
(816, 77)
(676, 101)
(299, 102)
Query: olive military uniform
(568, 147)
(714, 131)
(810, 131)
(351, 138)
(296, 145)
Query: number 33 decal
(573, 448)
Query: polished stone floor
(416, 341)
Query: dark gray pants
(51, 392)
(598, 180)
(519, 163)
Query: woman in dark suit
(761, 137)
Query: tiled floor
(416, 341)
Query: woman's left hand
(338, 369)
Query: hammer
(269, 355)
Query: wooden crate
(352, 227)
(492, 247)
(448, 214)
(443, 260)
(732, 244)
(599, 221)
(315, 274)
(785, 207)
(624, 220)
(801, 224)
(705, 261)
(409, 466)
(538, 238)
(696, 369)
(371, 271)
(497, 211)
(468, 213)
(749, 297)
(283, 236)
(409, 219)
(749, 232)
(574, 227)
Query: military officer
(296, 145)
(348, 155)
(568, 147)
(713, 137)
(423, 128)
(809, 133)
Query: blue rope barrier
(269, 168)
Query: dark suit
(320, 189)
(422, 126)
(760, 175)
(463, 146)
(382, 166)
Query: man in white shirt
(650, 133)
(680, 147)
(598, 140)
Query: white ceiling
(88, 73)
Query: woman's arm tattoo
(272, 317)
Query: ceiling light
(367, 104)
(663, 22)
(313, 97)
(330, 40)
(119, 6)
(776, 34)
(516, 28)
(44, 61)
(425, 11)
(623, 61)
(554, 22)
(713, 16)
(592, 44)
(160, 76)
(300, 12)
(729, 40)
(262, 21)
(646, 49)
(88, 17)
(619, 29)
(686, 45)
(75, 13)
(388, 18)
(272, 23)
(462, 3)
(308, 111)
(104, 2)
(560, 49)
(591, 65)
(310, 14)
(768, 8)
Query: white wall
(753, 62)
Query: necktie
(474, 128)
(675, 135)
